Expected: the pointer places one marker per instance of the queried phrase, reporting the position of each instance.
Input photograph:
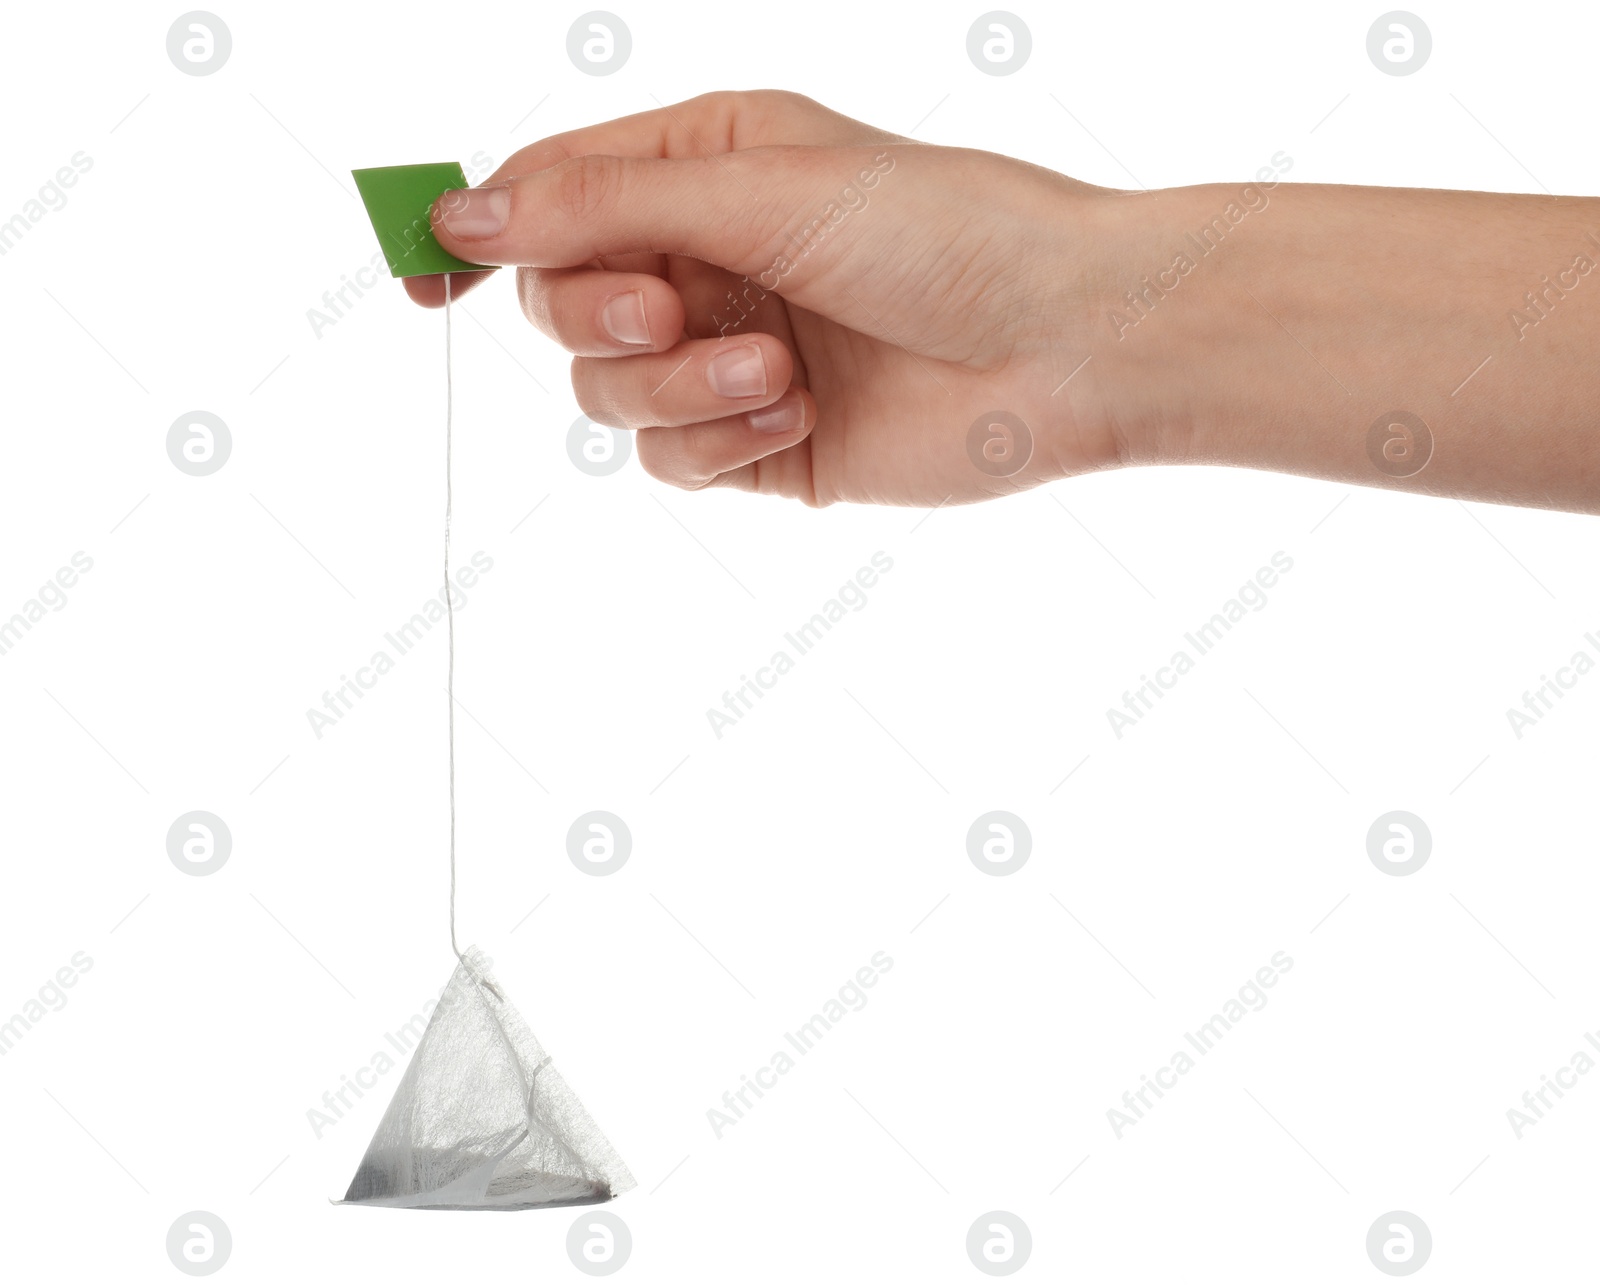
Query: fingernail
(623, 319)
(475, 212)
(783, 417)
(738, 373)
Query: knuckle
(785, 98)
(586, 186)
(719, 100)
(767, 102)
(730, 115)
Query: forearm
(1275, 328)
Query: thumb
(740, 210)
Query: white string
(449, 611)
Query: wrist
(1182, 326)
(1140, 341)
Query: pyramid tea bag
(482, 1120)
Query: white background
(825, 826)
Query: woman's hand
(777, 298)
(781, 299)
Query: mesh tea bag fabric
(482, 1120)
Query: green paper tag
(399, 201)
